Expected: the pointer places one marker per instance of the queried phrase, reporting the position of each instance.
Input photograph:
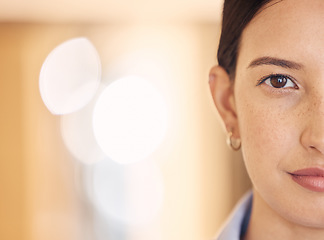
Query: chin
(308, 215)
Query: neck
(266, 224)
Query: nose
(312, 137)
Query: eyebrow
(275, 61)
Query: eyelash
(268, 77)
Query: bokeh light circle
(70, 76)
(130, 119)
(129, 194)
(78, 137)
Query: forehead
(294, 28)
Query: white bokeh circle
(129, 194)
(130, 119)
(70, 76)
(78, 137)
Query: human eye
(278, 81)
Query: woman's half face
(279, 98)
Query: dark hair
(236, 16)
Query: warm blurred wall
(39, 199)
(12, 172)
(52, 206)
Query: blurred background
(112, 135)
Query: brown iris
(278, 81)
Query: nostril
(312, 139)
(316, 149)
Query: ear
(222, 90)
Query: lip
(310, 178)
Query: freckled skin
(282, 130)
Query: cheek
(266, 135)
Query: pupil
(278, 82)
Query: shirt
(236, 225)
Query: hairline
(267, 5)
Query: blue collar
(236, 225)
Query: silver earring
(234, 143)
